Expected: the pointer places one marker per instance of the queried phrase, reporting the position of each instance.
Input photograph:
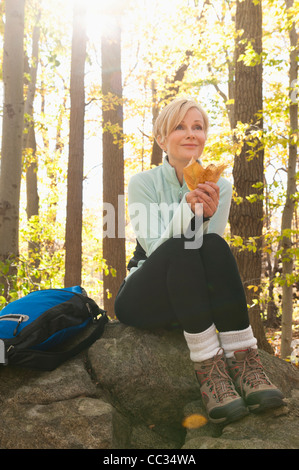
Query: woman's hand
(206, 194)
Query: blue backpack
(47, 327)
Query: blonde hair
(173, 113)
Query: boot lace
(217, 378)
(252, 372)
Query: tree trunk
(73, 237)
(12, 128)
(29, 140)
(157, 152)
(114, 250)
(31, 181)
(288, 212)
(53, 162)
(246, 219)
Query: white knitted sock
(231, 341)
(203, 345)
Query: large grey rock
(147, 375)
(78, 423)
(132, 390)
(61, 409)
(70, 380)
(274, 429)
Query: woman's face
(187, 140)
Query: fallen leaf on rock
(194, 421)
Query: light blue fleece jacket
(158, 208)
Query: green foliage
(250, 57)
(39, 267)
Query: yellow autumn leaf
(255, 288)
(194, 173)
(194, 421)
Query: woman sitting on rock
(184, 274)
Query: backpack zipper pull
(19, 322)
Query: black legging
(189, 288)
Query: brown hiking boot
(251, 381)
(219, 396)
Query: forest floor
(274, 337)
